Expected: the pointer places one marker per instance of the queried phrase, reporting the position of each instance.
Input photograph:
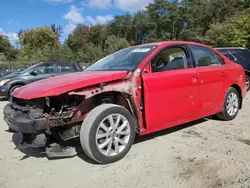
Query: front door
(212, 76)
(42, 71)
(170, 89)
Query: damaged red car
(135, 91)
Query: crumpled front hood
(61, 84)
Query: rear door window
(64, 67)
(77, 67)
(204, 57)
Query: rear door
(170, 89)
(212, 77)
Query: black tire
(224, 115)
(248, 81)
(13, 88)
(90, 126)
(11, 130)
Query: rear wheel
(231, 105)
(248, 82)
(107, 133)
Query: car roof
(232, 48)
(58, 62)
(165, 43)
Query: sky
(25, 14)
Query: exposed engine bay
(54, 122)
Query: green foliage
(78, 38)
(63, 53)
(38, 44)
(4, 45)
(7, 51)
(89, 54)
(113, 44)
(214, 22)
(233, 32)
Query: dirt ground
(206, 153)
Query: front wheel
(231, 105)
(107, 133)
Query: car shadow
(28, 152)
(151, 136)
(154, 135)
(40, 152)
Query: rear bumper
(22, 122)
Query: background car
(34, 73)
(240, 56)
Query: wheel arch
(15, 84)
(247, 72)
(238, 89)
(110, 97)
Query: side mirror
(33, 73)
(235, 60)
(147, 69)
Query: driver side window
(44, 69)
(169, 59)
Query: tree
(4, 45)
(224, 9)
(63, 53)
(233, 32)
(143, 28)
(6, 49)
(38, 43)
(113, 44)
(197, 16)
(121, 26)
(89, 54)
(78, 38)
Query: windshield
(127, 59)
(28, 69)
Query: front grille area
(20, 102)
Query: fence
(6, 67)
(13, 66)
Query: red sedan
(135, 91)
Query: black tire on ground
(248, 81)
(89, 130)
(13, 88)
(224, 115)
(11, 130)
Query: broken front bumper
(22, 121)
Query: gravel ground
(205, 153)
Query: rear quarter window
(77, 67)
(65, 68)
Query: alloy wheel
(112, 135)
(232, 104)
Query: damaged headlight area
(44, 122)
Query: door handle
(195, 79)
(223, 74)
